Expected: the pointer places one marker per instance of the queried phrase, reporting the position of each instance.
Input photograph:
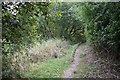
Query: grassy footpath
(84, 70)
(51, 68)
(94, 66)
(88, 66)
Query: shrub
(101, 21)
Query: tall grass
(51, 67)
(48, 49)
(38, 53)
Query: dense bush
(68, 24)
(19, 29)
(101, 21)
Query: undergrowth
(47, 59)
(52, 67)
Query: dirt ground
(103, 67)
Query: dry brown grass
(53, 48)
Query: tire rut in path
(68, 73)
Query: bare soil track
(68, 73)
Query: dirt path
(73, 66)
(96, 66)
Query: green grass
(51, 68)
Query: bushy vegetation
(28, 22)
(101, 23)
(28, 25)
